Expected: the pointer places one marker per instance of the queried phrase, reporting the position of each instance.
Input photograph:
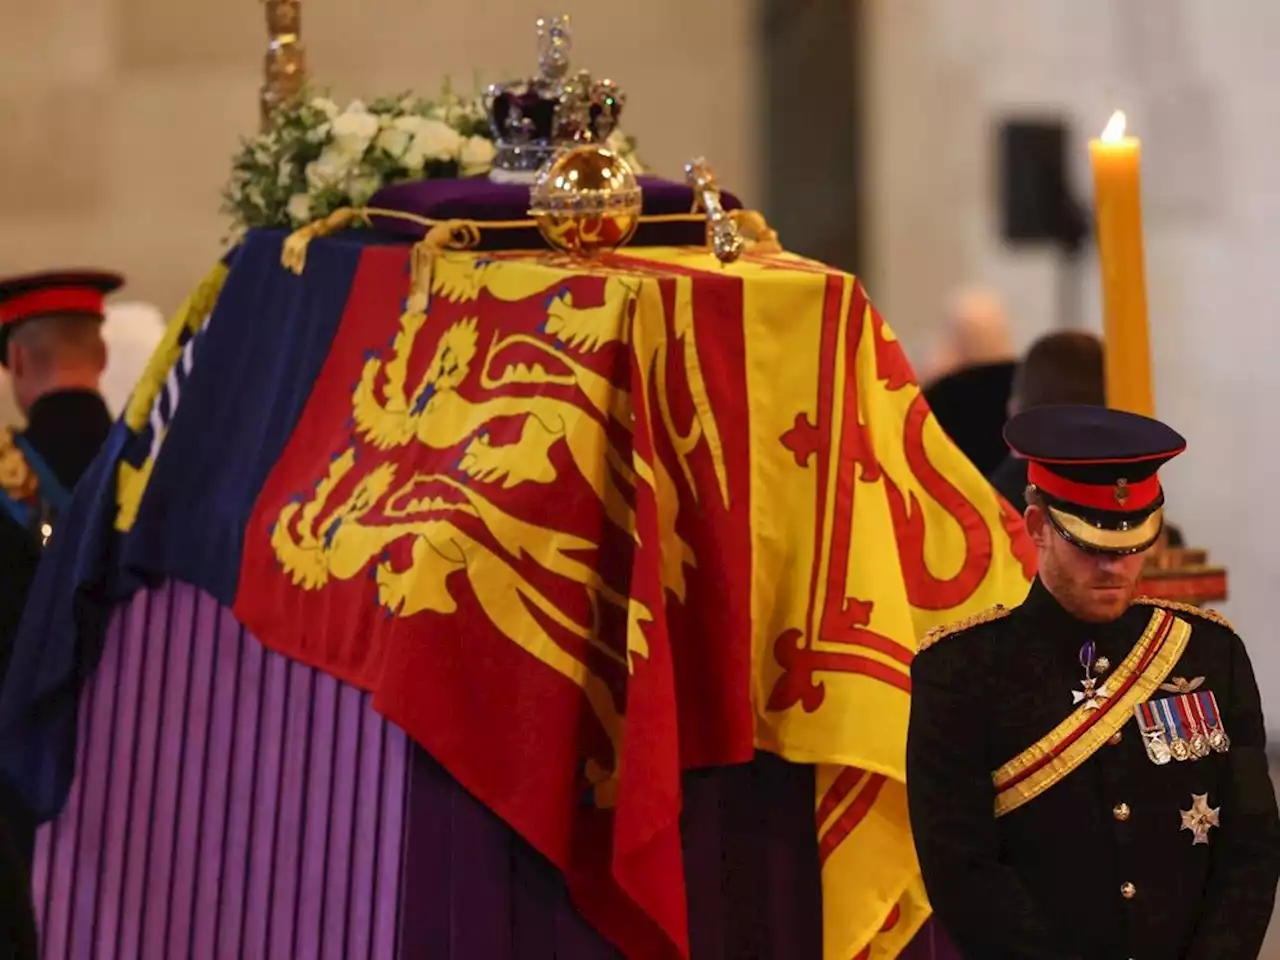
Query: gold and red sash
(1078, 737)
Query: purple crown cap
(532, 119)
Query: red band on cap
(1122, 497)
(40, 303)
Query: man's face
(1095, 587)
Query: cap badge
(1122, 491)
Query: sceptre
(285, 64)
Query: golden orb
(586, 199)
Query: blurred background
(906, 140)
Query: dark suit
(1010, 480)
(971, 405)
(1052, 878)
(66, 429)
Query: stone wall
(119, 116)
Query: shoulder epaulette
(960, 626)
(1213, 616)
(17, 479)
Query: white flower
(300, 209)
(331, 168)
(253, 195)
(325, 106)
(395, 140)
(285, 172)
(361, 188)
(477, 155)
(433, 140)
(354, 131)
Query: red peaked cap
(52, 294)
(1097, 466)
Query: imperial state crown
(531, 119)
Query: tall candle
(1117, 178)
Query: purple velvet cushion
(478, 198)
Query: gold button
(1121, 812)
(1116, 737)
(1128, 891)
(1101, 665)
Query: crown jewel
(531, 119)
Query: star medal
(1200, 818)
(1090, 693)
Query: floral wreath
(315, 157)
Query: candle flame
(1115, 128)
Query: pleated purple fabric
(228, 803)
(231, 803)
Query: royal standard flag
(579, 527)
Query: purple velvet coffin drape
(230, 803)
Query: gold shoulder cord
(1213, 616)
(17, 479)
(960, 626)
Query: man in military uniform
(1086, 772)
(51, 344)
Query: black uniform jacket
(67, 429)
(1098, 866)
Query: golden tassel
(294, 255)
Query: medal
(1200, 818)
(1218, 740)
(1157, 750)
(1199, 746)
(1090, 693)
(1189, 707)
(1178, 745)
(1153, 737)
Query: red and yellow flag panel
(580, 529)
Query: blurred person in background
(1062, 367)
(969, 379)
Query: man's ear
(100, 355)
(1037, 522)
